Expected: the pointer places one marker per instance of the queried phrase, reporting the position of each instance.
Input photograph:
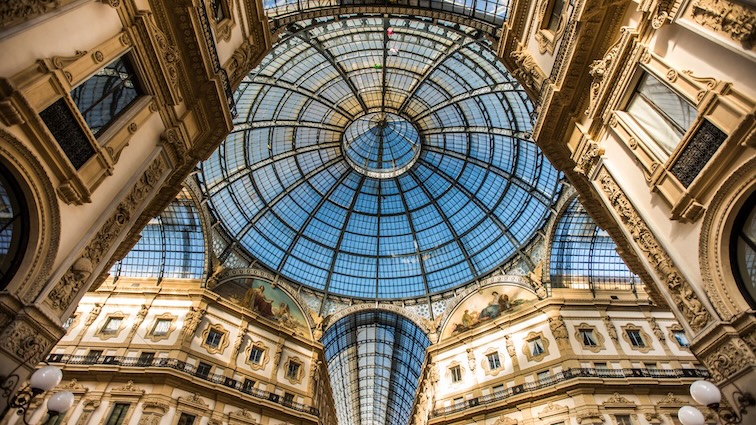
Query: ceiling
(380, 157)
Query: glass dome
(380, 157)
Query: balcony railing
(137, 362)
(567, 375)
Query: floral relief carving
(527, 71)
(16, 11)
(21, 339)
(729, 358)
(685, 299)
(591, 154)
(737, 21)
(79, 273)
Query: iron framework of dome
(380, 157)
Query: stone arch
(44, 226)
(714, 248)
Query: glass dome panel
(380, 165)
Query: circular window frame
(11, 263)
(741, 216)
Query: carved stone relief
(736, 20)
(685, 299)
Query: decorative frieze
(74, 280)
(685, 299)
(737, 21)
(729, 358)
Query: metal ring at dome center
(381, 145)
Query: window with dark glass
(743, 250)
(107, 94)
(255, 355)
(14, 227)
(493, 361)
(248, 385)
(93, 356)
(146, 358)
(544, 377)
(587, 337)
(118, 414)
(635, 338)
(293, 370)
(186, 419)
(536, 346)
(203, 370)
(555, 15)
(213, 338)
(456, 373)
(288, 398)
(623, 419)
(660, 112)
(219, 13)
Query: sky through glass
(380, 157)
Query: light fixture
(706, 393)
(43, 379)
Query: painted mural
(266, 300)
(487, 305)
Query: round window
(743, 250)
(14, 226)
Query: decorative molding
(590, 417)
(671, 400)
(599, 338)
(264, 358)
(149, 333)
(592, 152)
(300, 370)
(685, 299)
(115, 315)
(17, 11)
(223, 342)
(129, 387)
(77, 276)
(527, 72)
(647, 346)
(728, 358)
(552, 409)
(24, 341)
(528, 352)
(618, 400)
(737, 21)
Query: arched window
(584, 256)
(743, 250)
(171, 245)
(14, 226)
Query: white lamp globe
(705, 392)
(689, 415)
(60, 402)
(45, 378)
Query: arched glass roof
(171, 245)
(380, 157)
(374, 361)
(584, 256)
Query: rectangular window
(203, 370)
(146, 358)
(635, 338)
(544, 377)
(660, 112)
(586, 335)
(64, 127)
(118, 414)
(248, 385)
(186, 419)
(681, 339)
(107, 94)
(536, 346)
(456, 373)
(217, 7)
(555, 16)
(623, 420)
(162, 326)
(93, 356)
(112, 325)
(213, 339)
(493, 361)
(288, 398)
(255, 355)
(293, 370)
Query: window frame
(547, 37)
(122, 417)
(598, 337)
(455, 372)
(643, 336)
(104, 333)
(529, 345)
(264, 359)
(150, 331)
(222, 343)
(295, 378)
